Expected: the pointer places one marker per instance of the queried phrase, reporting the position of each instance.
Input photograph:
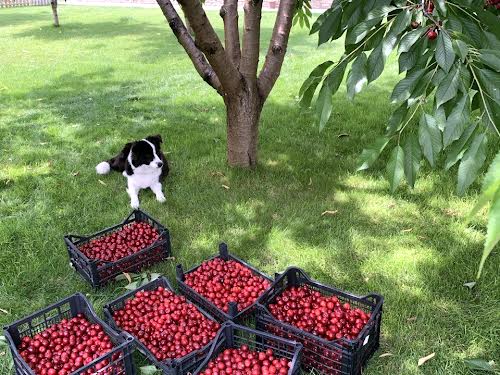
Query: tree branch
(200, 63)
(229, 13)
(209, 43)
(251, 39)
(277, 48)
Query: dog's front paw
(161, 198)
(134, 204)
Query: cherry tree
(447, 105)
(231, 67)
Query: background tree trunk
(53, 4)
(243, 114)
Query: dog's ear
(155, 139)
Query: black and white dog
(144, 166)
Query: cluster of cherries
(127, 241)
(243, 361)
(67, 346)
(223, 281)
(165, 323)
(493, 3)
(323, 316)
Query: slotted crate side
(199, 300)
(99, 274)
(232, 336)
(179, 366)
(336, 357)
(120, 357)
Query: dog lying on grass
(143, 164)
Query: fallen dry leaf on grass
(4, 311)
(385, 355)
(406, 230)
(102, 182)
(450, 212)
(422, 360)
(342, 135)
(217, 174)
(74, 174)
(225, 187)
(411, 319)
(310, 181)
(328, 212)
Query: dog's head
(144, 154)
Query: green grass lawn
(71, 97)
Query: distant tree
(53, 4)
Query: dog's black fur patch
(142, 153)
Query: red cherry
(432, 34)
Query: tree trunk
(188, 26)
(53, 3)
(243, 114)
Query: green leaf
(410, 39)
(356, 79)
(471, 163)
(445, 56)
(429, 137)
(330, 86)
(490, 41)
(484, 199)
(133, 285)
(330, 26)
(404, 88)
(371, 154)
(320, 20)
(490, 20)
(493, 174)
(401, 22)
(149, 370)
(493, 231)
(458, 148)
(491, 58)
(448, 88)
(308, 88)
(441, 6)
(395, 167)
(351, 15)
(454, 23)
(471, 30)
(461, 48)
(421, 88)
(407, 60)
(375, 64)
(380, 12)
(396, 119)
(358, 33)
(457, 121)
(440, 116)
(412, 158)
(490, 82)
(479, 365)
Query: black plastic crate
(120, 356)
(336, 357)
(178, 366)
(98, 272)
(233, 336)
(198, 299)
